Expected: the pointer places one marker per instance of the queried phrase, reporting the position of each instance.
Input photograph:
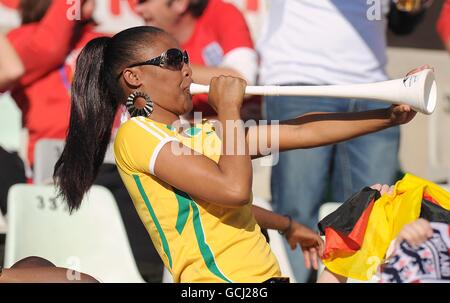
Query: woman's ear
(132, 77)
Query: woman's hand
(310, 242)
(226, 93)
(402, 114)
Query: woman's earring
(139, 104)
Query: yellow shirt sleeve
(138, 143)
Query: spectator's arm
(245, 61)
(11, 68)
(203, 74)
(48, 45)
(239, 57)
(443, 25)
(296, 234)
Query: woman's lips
(187, 87)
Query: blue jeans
(301, 179)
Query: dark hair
(96, 95)
(197, 7)
(32, 10)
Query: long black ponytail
(96, 96)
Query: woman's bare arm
(318, 129)
(228, 182)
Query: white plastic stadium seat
(46, 153)
(276, 243)
(92, 240)
(167, 276)
(328, 208)
(325, 210)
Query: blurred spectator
(13, 170)
(420, 254)
(48, 43)
(320, 43)
(443, 25)
(48, 46)
(216, 36)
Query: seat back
(328, 208)
(46, 153)
(92, 240)
(324, 210)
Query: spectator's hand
(87, 9)
(415, 233)
(419, 69)
(310, 242)
(402, 114)
(383, 189)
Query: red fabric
(42, 47)
(338, 244)
(431, 199)
(252, 5)
(224, 24)
(443, 24)
(47, 52)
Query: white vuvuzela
(418, 90)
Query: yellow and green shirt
(198, 241)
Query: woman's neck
(163, 116)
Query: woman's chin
(188, 106)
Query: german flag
(358, 233)
(344, 229)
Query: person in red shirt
(214, 33)
(443, 24)
(48, 43)
(48, 49)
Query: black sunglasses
(172, 59)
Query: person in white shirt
(311, 42)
